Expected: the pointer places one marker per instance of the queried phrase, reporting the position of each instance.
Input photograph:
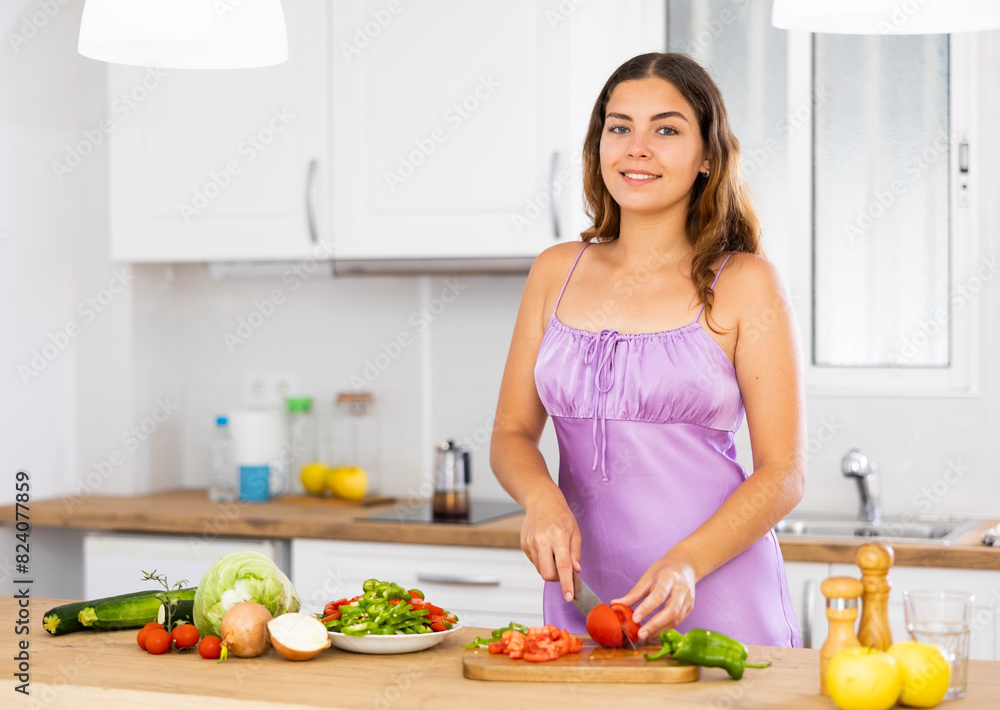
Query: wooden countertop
(188, 512)
(92, 670)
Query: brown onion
(244, 629)
(298, 637)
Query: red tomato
(335, 606)
(495, 647)
(185, 636)
(438, 626)
(158, 641)
(332, 616)
(624, 615)
(141, 637)
(210, 647)
(604, 627)
(434, 609)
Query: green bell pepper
(702, 647)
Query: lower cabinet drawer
(485, 586)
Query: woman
(646, 346)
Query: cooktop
(480, 511)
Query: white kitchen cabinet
(484, 586)
(457, 126)
(113, 562)
(985, 584)
(804, 579)
(222, 165)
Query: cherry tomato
(185, 635)
(158, 641)
(604, 627)
(210, 647)
(141, 637)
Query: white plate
(399, 643)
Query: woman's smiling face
(651, 147)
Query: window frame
(961, 376)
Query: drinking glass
(943, 618)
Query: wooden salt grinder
(874, 559)
(841, 610)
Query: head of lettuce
(241, 577)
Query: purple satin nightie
(646, 429)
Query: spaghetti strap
(712, 287)
(566, 282)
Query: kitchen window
(857, 150)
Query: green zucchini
(135, 612)
(64, 619)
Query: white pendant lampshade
(886, 17)
(185, 34)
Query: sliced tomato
(415, 593)
(438, 626)
(495, 647)
(604, 627)
(333, 616)
(334, 606)
(624, 615)
(394, 602)
(433, 609)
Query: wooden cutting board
(593, 664)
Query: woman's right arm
(550, 536)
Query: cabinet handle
(553, 167)
(480, 580)
(310, 216)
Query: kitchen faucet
(855, 465)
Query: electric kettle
(452, 475)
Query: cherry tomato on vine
(141, 637)
(158, 641)
(185, 635)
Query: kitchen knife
(584, 599)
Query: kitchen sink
(932, 529)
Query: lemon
(925, 670)
(863, 679)
(348, 482)
(314, 477)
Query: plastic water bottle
(222, 467)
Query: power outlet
(269, 389)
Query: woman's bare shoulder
(750, 274)
(554, 263)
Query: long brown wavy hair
(721, 216)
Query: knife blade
(585, 600)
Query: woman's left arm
(768, 361)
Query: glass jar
(301, 441)
(354, 436)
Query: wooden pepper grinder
(875, 559)
(842, 611)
